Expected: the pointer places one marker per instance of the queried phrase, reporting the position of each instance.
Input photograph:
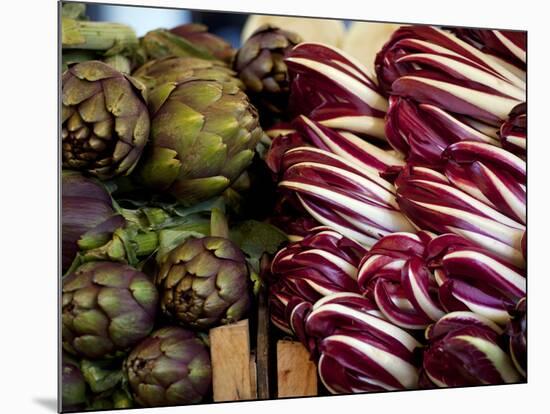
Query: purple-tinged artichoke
(322, 263)
(106, 309)
(513, 132)
(353, 201)
(204, 282)
(358, 349)
(508, 45)
(169, 367)
(260, 65)
(73, 385)
(86, 209)
(198, 35)
(335, 89)
(464, 349)
(433, 203)
(105, 122)
(472, 278)
(517, 332)
(395, 276)
(492, 175)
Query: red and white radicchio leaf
(464, 350)
(396, 277)
(471, 277)
(359, 350)
(431, 201)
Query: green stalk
(145, 243)
(218, 224)
(119, 62)
(104, 36)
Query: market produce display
(371, 202)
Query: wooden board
(230, 354)
(296, 374)
(253, 377)
(262, 347)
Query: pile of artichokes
(379, 202)
(159, 150)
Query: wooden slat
(230, 354)
(296, 374)
(253, 377)
(262, 347)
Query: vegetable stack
(381, 210)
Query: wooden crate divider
(296, 373)
(240, 373)
(231, 368)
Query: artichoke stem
(120, 63)
(76, 34)
(218, 224)
(145, 243)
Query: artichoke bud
(162, 43)
(261, 67)
(88, 216)
(176, 69)
(107, 308)
(204, 129)
(170, 367)
(73, 386)
(198, 35)
(105, 122)
(204, 282)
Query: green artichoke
(260, 65)
(199, 35)
(203, 135)
(177, 69)
(170, 367)
(73, 386)
(184, 43)
(204, 282)
(106, 309)
(111, 400)
(105, 123)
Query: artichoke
(106, 309)
(199, 35)
(176, 69)
(170, 367)
(73, 386)
(260, 65)
(105, 123)
(204, 282)
(86, 210)
(203, 136)
(188, 40)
